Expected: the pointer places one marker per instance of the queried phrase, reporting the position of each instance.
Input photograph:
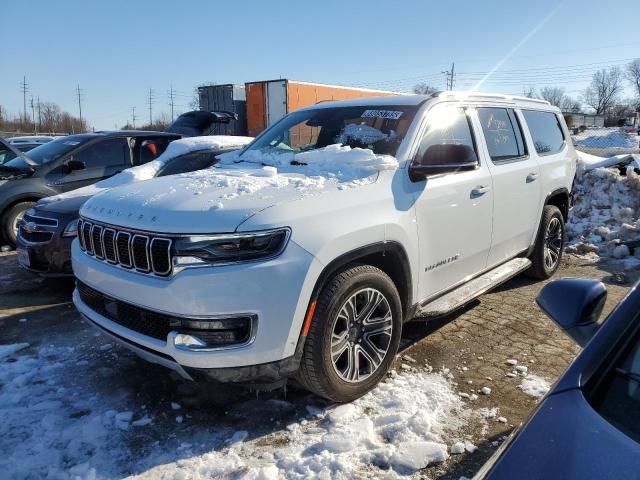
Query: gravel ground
(473, 344)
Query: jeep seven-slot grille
(142, 252)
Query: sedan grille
(142, 252)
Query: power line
(451, 76)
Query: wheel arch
(560, 199)
(388, 256)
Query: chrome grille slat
(96, 240)
(142, 252)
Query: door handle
(532, 177)
(479, 191)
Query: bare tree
(554, 95)
(529, 92)
(424, 88)
(633, 75)
(571, 105)
(604, 90)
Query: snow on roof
(149, 170)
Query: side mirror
(575, 305)
(443, 158)
(75, 165)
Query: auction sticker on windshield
(390, 114)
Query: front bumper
(276, 291)
(49, 259)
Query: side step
(468, 291)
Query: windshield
(379, 129)
(56, 149)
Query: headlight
(71, 230)
(230, 248)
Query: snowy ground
(73, 405)
(606, 142)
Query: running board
(465, 293)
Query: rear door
(101, 160)
(516, 183)
(276, 101)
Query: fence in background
(606, 142)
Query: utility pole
(171, 93)
(33, 114)
(39, 115)
(150, 106)
(25, 88)
(133, 117)
(451, 76)
(79, 93)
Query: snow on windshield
(149, 170)
(363, 134)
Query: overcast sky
(117, 50)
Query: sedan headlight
(71, 230)
(230, 248)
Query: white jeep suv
(302, 257)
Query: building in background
(577, 120)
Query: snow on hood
(238, 187)
(606, 211)
(149, 170)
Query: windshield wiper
(628, 374)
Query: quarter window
(502, 133)
(545, 130)
(445, 125)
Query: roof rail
(487, 96)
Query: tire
(547, 251)
(352, 289)
(10, 220)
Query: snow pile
(150, 169)
(535, 386)
(586, 161)
(399, 427)
(605, 218)
(605, 138)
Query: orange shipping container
(269, 101)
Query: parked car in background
(29, 142)
(69, 163)
(72, 162)
(303, 257)
(588, 425)
(47, 230)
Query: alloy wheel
(361, 335)
(553, 240)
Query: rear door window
(546, 131)
(502, 133)
(111, 152)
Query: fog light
(188, 341)
(200, 334)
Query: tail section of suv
(303, 257)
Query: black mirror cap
(75, 165)
(443, 158)
(574, 304)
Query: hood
(63, 205)
(214, 200)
